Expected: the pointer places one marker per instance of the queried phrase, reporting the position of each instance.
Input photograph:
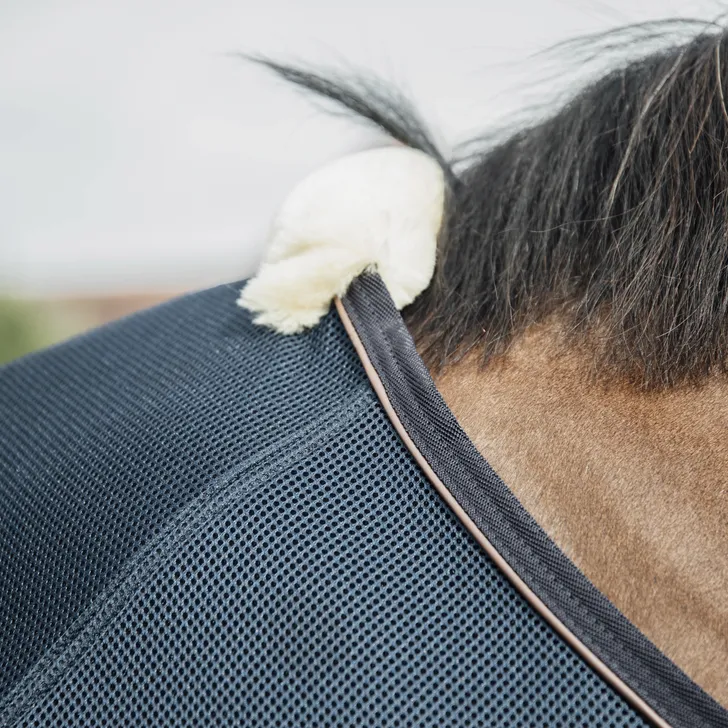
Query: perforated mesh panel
(334, 591)
(105, 438)
(306, 576)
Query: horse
(560, 379)
(576, 326)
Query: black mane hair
(611, 213)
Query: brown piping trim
(577, 645)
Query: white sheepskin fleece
(375, 210)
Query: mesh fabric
(209, 524)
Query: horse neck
(631, 485)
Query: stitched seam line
(70, 648)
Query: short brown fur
(632, 485)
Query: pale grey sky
(135, 152)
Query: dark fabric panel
(106, 437)
(328, 585)
(506, 524)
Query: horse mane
(610, 213)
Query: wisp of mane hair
(611, 213)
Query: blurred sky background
(139, 156)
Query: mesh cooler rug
(204, 523)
